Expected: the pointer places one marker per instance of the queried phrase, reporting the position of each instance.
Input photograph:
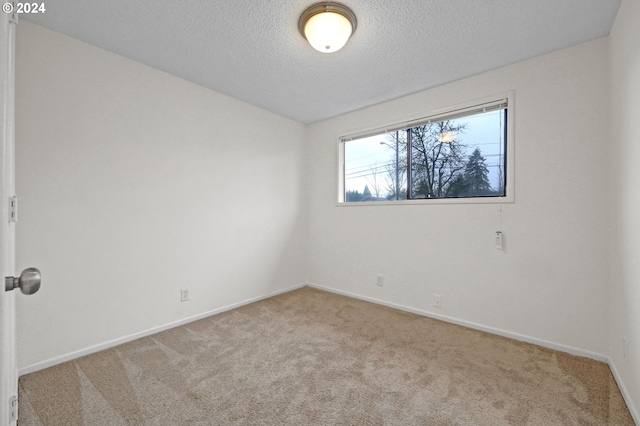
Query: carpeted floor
(310, 357)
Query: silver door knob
(28, 281)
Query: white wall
(134, 183)
(624, 144)
(550, 284)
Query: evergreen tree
(476, 174)
(366, 193)
(353, 196)
(459, 187)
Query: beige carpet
(311, 357)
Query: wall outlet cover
(437, 300)
(184, 294)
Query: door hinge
(13, 209)
(13, 15)
(13, 409)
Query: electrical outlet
(437, 300)
(184, 294)
(380, 281)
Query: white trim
(8, 354)
(528, 339)
(544, 343)
(432, 201)
(520, 337)
(623, 390)
(115, 342)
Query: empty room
(289, 212)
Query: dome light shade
(327, 26)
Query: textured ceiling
(252, 50)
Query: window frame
(436, 115)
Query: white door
(9, 372)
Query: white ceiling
(252, 50)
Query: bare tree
(437, 157)
(373, 179)
(396, 181)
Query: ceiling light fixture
(327, 26)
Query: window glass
(459, 155)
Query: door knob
(28, 281)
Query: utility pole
(397, 173)
(409, 155)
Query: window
(459, 154)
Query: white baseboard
(623, 390)
(115, 342)
(544, 343)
